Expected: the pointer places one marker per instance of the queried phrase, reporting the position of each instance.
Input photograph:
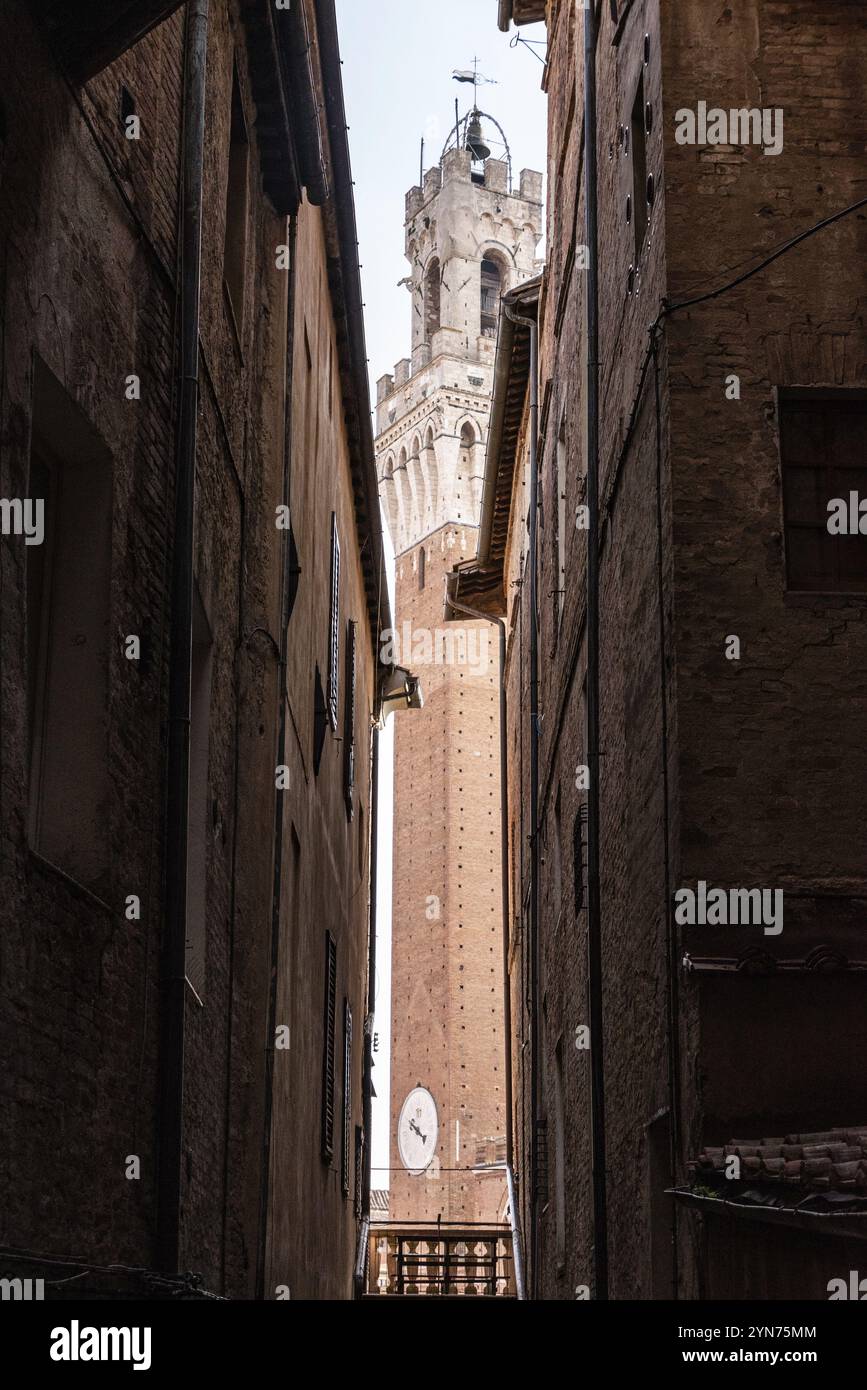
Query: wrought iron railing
(444, 1261)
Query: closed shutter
(349, 720)
(334, 630)
(347, 1094)
(359, 1170)
(328, 1046)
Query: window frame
(804, 396)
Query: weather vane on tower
(472, 75)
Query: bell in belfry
(475, 144)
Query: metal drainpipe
(277, 890)
(504, 858)
(177, 776)
(367, 1077)
(594, 915)
(534, 793)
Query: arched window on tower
(492, 288)
(431, 299)
(467, 482)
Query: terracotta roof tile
(834, 1158)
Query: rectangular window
(68, 635)
(197, 825)
(349, 721)
(334, 629)
(422, 562)
(347, 1096)
(637, 140)
(328, 1045)
(823, 455)
(237, 196)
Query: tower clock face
(417, 1130)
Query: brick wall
(763, 761)
(88, 230)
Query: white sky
(398, 57)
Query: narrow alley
(433, 662)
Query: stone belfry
(470, 237)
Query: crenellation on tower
(469, 239)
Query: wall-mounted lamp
(398, 689)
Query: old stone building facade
(469, 238)
(691, 717)
(184, 918)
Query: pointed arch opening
(492, 285)
(432, 476)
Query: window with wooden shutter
(359, 1171)
(328, 1044)
(334, 629)
(347, 1094)
(349, 720)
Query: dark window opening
(68, 637)
(639, 169)
(823, 454)
(320, 721)
(431, 299)
(237, 195)
(421, 567)
(127, 106)
(293, 574)
(490, 298)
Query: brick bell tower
(469, 238)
